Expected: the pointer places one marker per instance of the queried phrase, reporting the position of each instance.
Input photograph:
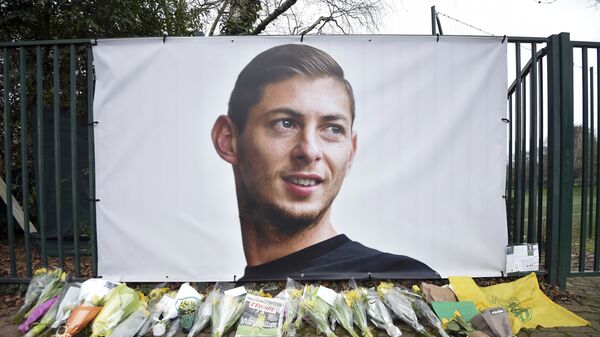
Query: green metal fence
(552, 173)
(47, 156)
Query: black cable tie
(302, 37)
(370, 276)
(506, 120)
(438, 37)
(95, 42)
(164, 38)
(93, 123)
(234, 278)
(503, 39)
(95, 200)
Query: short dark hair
(277, 64)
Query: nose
(307, 148)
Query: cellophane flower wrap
(380, 315)
(226, 310)
(153, 298)
(292, 294)
(119, 304)
(69, 301)
(342, 312)
(41, 278)
(317, 310)
(202, 315)
(53, 289)
(356, 298)
(400, 306)
(422, 309)
(38, 312)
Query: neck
(262, 245)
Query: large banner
(421, 168)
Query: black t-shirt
(339, 258)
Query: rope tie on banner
(94, 200)
(438, 37)
(94, 123)
(302, 37)
(506, 120)
(164, 38)
(503, 39)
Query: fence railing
(47, 158)
(552, 173)
(47, 163)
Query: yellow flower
(416, 288)
(350, 297)
(445, 322)
(457, 313)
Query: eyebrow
(295, 114)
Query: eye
(335, 129)
(286, 124)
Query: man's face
(295, 149)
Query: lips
(302, 185)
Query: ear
(224, 137)
(352, 153)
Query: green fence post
(560, 140)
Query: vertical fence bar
(597, 234)
(73, 147)
(39, 153)
(57, 152)
(509, 195)
(597, 181)
(531, 222)
(24, 160)
(7, 163)
(585, 159)
(518, 136)
(541, 153)
(523, 145)
(593, 170)
(91, 160)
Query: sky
(530, 18)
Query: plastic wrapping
(317, 310)
(68, 302)
(120, 303)
(202, 315)
(227, 307)
(153, 298)
(132, 324)
(357, 301)
(342, 313)
(40, 279)
(292, 294)
(401, 307)
(379, 314)
(38, 312)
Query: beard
(270, 219)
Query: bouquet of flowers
(92, 296)
(227, 307)
(343, 313)
(379, 314)
(41, 278)
(317, 310)
(423, 310)
(40, 311)
(202, 315)
(356, 299)
(400, 306)
(120, 303)
(69, 301)
(153, 298)
(292, 295)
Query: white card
(235, 292)
(326, 294)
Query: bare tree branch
(323, 19)
(219, 15)
(274, 15)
